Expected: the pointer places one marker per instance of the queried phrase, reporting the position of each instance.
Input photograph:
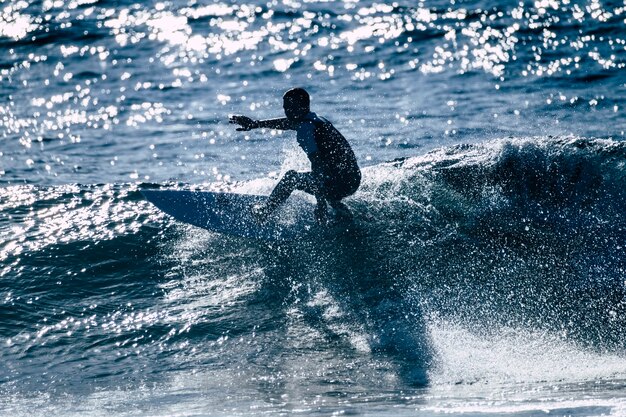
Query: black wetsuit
(334, 174)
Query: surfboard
(231, 214)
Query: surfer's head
(296, 103)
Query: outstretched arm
(281, 124)
(247, 123)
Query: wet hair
(300, 96)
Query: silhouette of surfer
(334, 174)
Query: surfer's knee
(290, 175)
(289, 179)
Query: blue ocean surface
(484, 274)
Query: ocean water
(486, 270)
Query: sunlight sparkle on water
(14, 24)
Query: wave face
(524, 232)
(472, 266)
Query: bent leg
(291, 181)
(337, 191)
(342, 212)
(303, 181)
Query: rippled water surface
(484, 274)
(136, 91)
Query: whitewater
(484, 273)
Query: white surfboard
(231, 214)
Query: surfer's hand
(245, 122)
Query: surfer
(334, 174)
